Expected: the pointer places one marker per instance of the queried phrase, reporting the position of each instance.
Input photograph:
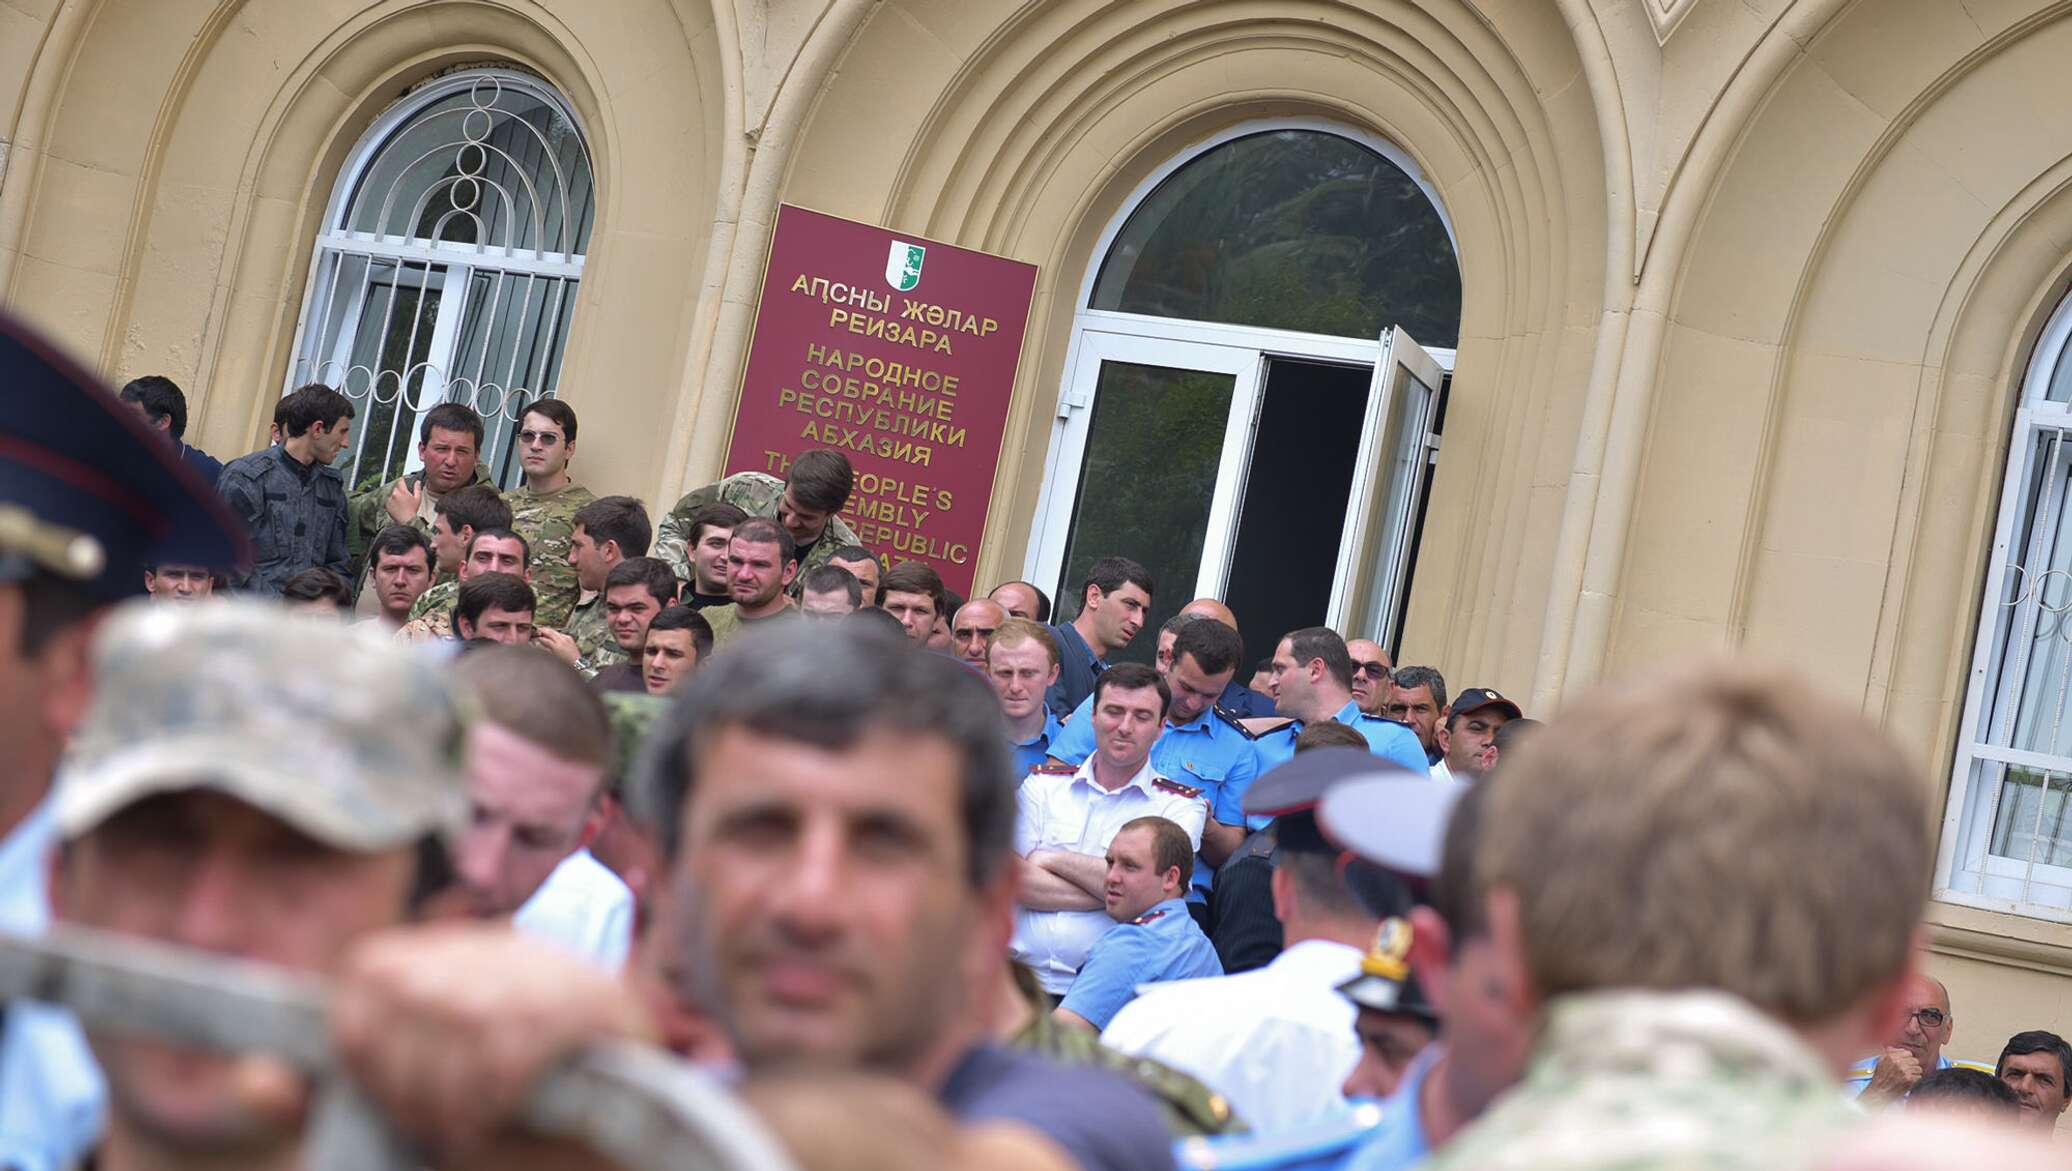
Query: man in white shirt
(536, 761)
(1277, 1042)
(1067, 815)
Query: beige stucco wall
(1748, 282)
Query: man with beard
(761, 564)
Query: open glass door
(1388, 483)
(1154, 449)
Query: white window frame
(1098, 333)
(1967, 873)
(452, 268)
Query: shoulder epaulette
(1148, 917)
(1172, 786)
(1281, 1148)
(1236, 721)
(1047, 769)
(1980, 1066)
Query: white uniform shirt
(1440, 772)
(584, 908)
(1277, 1042)
(1060, 812)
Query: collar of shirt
(1069, 634)
(1316, 962)
(1048, 733)
(1675, 1037)
(302, 470)
(1142, 780)
(1199, 723)
(1350, 715)
(24, 858)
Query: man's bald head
(1925, 1041)
(1211, 608)
(971, 631)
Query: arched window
(2008, 838)
(448, 265)
(1246, 411)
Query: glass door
(1154, 451)
(1389, 477)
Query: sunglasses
(1371, 670)
(548, 438)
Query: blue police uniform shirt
(1859, 1078)
(1243, 702)
(1078, 667)
(1031, 752)
(1385, 738)
(1208, 752)
(1161, 944)
(1399, 1143)
(52, 1098)
(1325, 1145)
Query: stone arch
(1042, 125)
(221, 194)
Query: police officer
(1397, 821)
(1395, 1022)
(1313, 681)
(1200, 744)
(1155, 938)
(89, 496)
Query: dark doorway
(1281, 568)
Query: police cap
(1289, 793)
(87, 492)
(1396, 822)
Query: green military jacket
(757, 494)
(595, 646)
(1658, 1081)
(632, 716)
(1188, 1107)
(366, 514)
(548, 523)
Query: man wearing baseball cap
(1468, 730)
(89, 497)
(257, 783)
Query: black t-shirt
(1103, 1122)
(698, 601)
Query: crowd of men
(940, 882)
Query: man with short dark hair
(1113, 602)
(319, 590)
(837, 815)
(290, 499)
(400, 561)
(1068, 816)
(1371, 673)
(707, 533)
(179, 583)
(815, 487)
(863, 565)
(489, 551)
(60, 425)
(635, 591)
(1022, 600)
(160, 403)
(1154, 939)
(1198, 745)
(494, 606)
(1417, 697)
(544, 507)
(2037, 1066)
(1021, 664)
(678, 640)
(456, 518)
(1467, 734)
(449, 440)
(830, 592)
(761, 567)
(1312, 682)
(972, 630)
(1238, 699)
(536, 759)
(604, 532)
(912, 592)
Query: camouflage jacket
(366, 514)
(632, 716)
(547, 522)
(1658, 1081)
(439, 596)
(757, 494)
(296, 516)
(1188, 1107)
(595, 646)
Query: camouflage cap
(340, 732)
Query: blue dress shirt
(1161, 944)
(1031, 752)
(52, 1098)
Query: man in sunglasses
(1370, 675)
(1917, 1050)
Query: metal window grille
(448, 267)
(2007, 832)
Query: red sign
(899, 353)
